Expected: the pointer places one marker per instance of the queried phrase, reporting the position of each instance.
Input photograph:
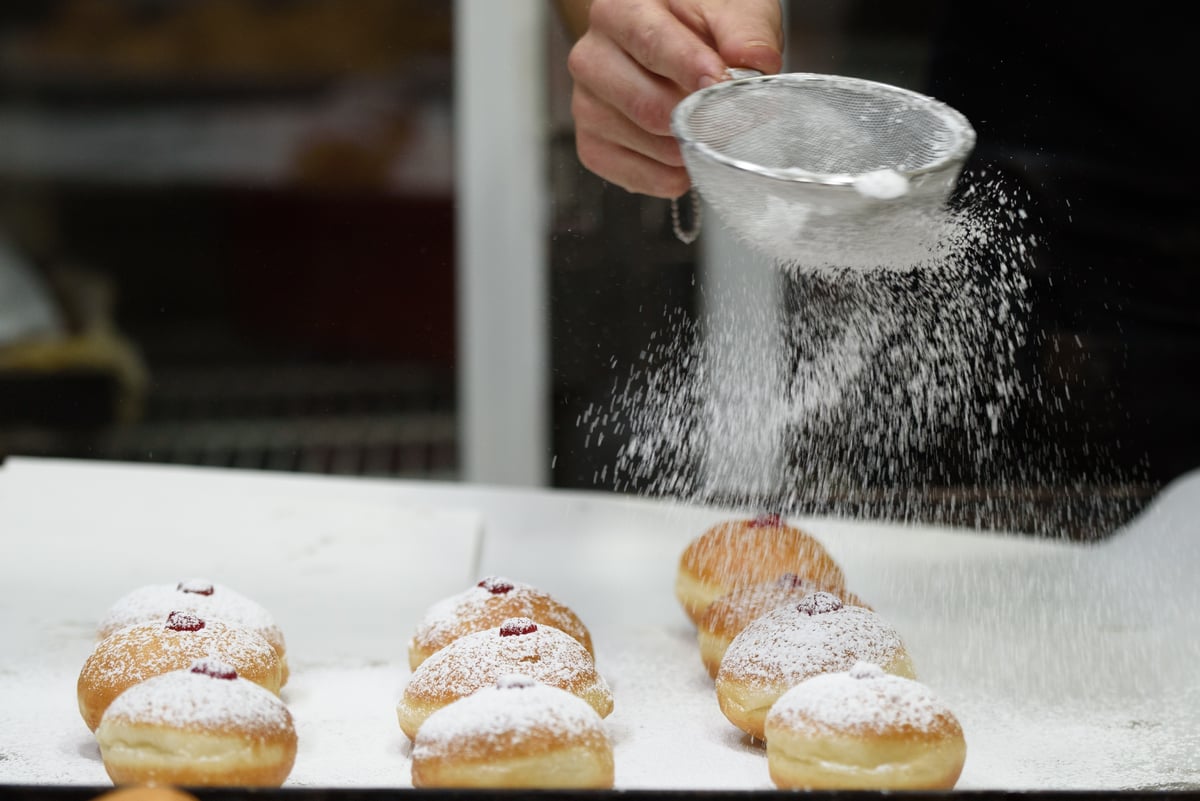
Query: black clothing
(1090, 109)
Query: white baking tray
(1070, 666)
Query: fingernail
(708, 80)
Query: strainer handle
(688, 235)
(737, 73)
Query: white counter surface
(1070, 666)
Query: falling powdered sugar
(866, 389)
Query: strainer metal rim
(681, 129)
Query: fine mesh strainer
(824, 169)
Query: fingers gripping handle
(688, 234)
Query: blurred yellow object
(96, 351)
(91, 345)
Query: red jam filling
(182, 621)
(515, 681)
(517, 626)
(496, 586)
(213, 668)
(195, 587)
(819, 602)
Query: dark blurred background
(244, 211)
(243, 215)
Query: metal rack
(366, 419)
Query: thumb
(749, 33)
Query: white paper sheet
(1070, 667)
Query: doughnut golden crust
(478, 660)
(147, 792)
(198, 727)
(725, 617)
(784, 647)
(753, 551)
(135, 653)
(517, 734)
(199, 597)
(486, 605)
(863, 730)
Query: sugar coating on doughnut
(819, 634)
(198, 596)
(733, 611)
(739, 552)
(518, 732)
(135, 653)
(865, 699)
(789, 644)
(485, 605)
(863, 729)
(158, 650)
(478, 660)
(728, 615)
(198, 726)
(494, 718)
(183, 699)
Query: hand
(638, 59)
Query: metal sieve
(823, 169)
